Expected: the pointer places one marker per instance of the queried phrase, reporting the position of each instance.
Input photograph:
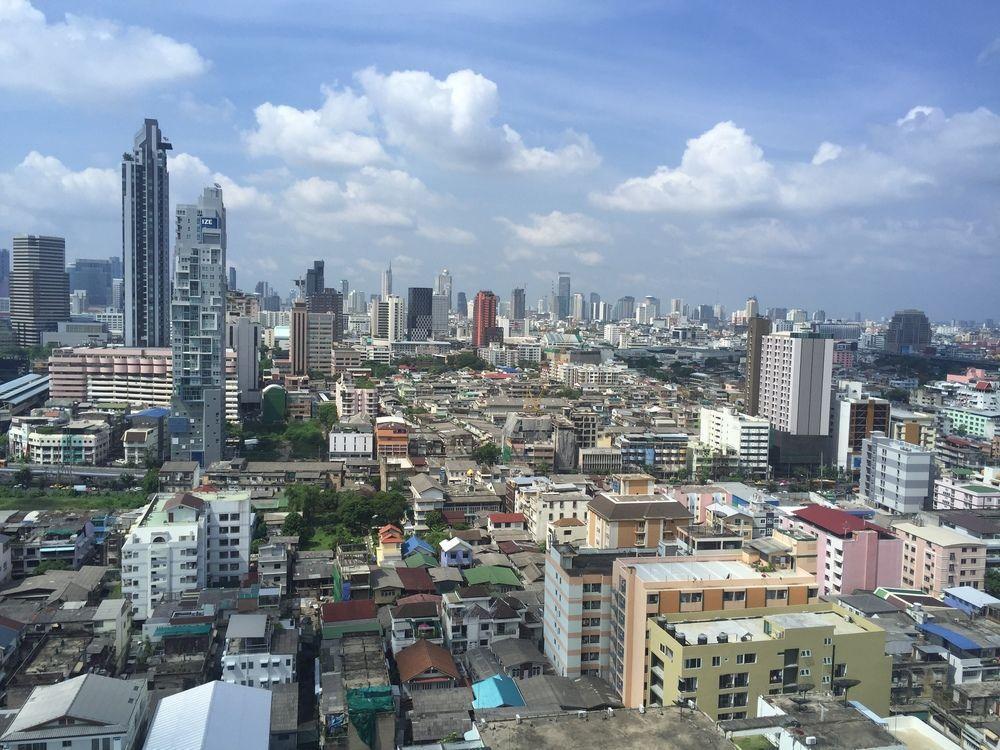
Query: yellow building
(723, 661)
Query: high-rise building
(315, 281)
(909, 332)
(757, 329)
(94, 275)
(118, 296)
(896, 476)
(356, 301)
(624, 308)
(855, 418)
(461, 305)
(298, 334)
(443, 284)
(752, 309)
(386, 287)
(563, 295)
(795, 379)
(39, 287)
(146, 238)
(345, 288)
(439, 317)
(654, 303)
(198, 331)
(4, 272)
(518, 310)
(420, 313)
(388, 320)
(484, 320)
(676, 305)
(578, 307)
(232, 277)
(243, 337)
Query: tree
(293, 525)
(23, 476)
(47, 565)
(151, 481)
(467, 359)
(993, 582)
(126, 480)
(436, 520)
(327, 414)
(306, 439)
(487, 454)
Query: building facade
(895, 476)
(795, 380)
(39, 287)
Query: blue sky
(844, 157)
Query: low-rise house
(472, 617)
(313, 574)
(272, 566)
(456, 553)
(498, 521)
(350, 617)
(390, 545)
(269, 478)
(425, 665)
(259, 652)
(519, 658)
(414, 621)
(83, 712)
(213, 716)
(496, 578)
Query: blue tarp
(955, 639)
(496, 691)
(416, 544)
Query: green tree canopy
(487, 454)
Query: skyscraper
(578, 307)
(198, 333)
(676, 306)
(117, 294)
(315, 281)
(757, 329)
(442, 285)
(794, 383)
(39, 287)
(345, 288)
(653, 303)
(624, 308)
(484, 320)
(145, 238)
(461, 305)
(419, 313)
(4, 272)
(386, 282)
(517, 307)
(94, 275)
(232, 278)
(439, 317)
(752, 309)
(563, 295)
(388, 321)
(909, 332)
(298, 338)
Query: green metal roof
(493, 575)
(193, 628)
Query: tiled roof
(832, 520)
(423, 655)
(349, 611)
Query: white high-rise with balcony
(795, 379)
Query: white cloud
(337, 134)
(453, 121)
(189, 175)
(84, 58)
(41, 191)
(558, 229)
(990, 51)
(449, 235)
(826, 152)
(589, 257)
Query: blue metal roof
(950, 636)
(153, 411)
(21, 389)
(496, 691)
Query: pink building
(697, 497)
(936, 558)
(851, 553)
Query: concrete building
(146, 238)
(85, 712)
(182, 542)
(850, 553)
(41, 438)
(392, 437)
(725, 661)
(795, 381)
(125, 375)
(419, 313)
(665, 453)
(952, 493)
(198, 331)
(258, 653)
(298, 338)
(439, 317)
(648, 587)
(634, 518)
(39, 287)
(895, 476)
(357, 398)
(854, 420)
(388, 319)
(351, 441)
(727, 431)
(484, 320)
(243, 338)
(757, 329)
(937, 558)
(909, 332)
(213, 716)
(543, 503)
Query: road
(106, 472)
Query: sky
(841, 156)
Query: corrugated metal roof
(213, 716)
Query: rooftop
(762, 627)
(938, 535)
(675, 569)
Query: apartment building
(795, 381)
(952, 493)
(666, 454)
(646, 587)
(51, 438)
(633, 516)
(544, 502)
(182, 542)
(851, 553)
(258, 652)
(126, 375)
(343, 358)
(351, 441)
(726, 431)
(725, 661)
(914, 427)
(273, 563)
(895, 476)
(577, 614)
(357, 398)
(937, 558)
(392, 437)
(856, 418)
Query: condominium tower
(39, 287)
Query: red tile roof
(414, 598)
(349, 611)
(416, 580)
(423, 655)
(835, 521)
(506, 518)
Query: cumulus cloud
(589, 257)
(724, 171)
(558, 229)
(451, 121)
(449, 235)
(41, 191)
(336, 134)
(189, 175)
(83, 57)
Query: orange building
(392, 437)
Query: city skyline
(652, 169)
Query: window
(746, 658)
(691, 597)
(652, 598)
(665, 649)
(806, 652)
(777, 594)
(828, 641)
(716, 661)
(694, 663)
(734, 596)
(591, 588)
(828, 660)
(804, 672)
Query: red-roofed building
(851, 553)
(497, 521)
(416, 581)
(352, 616)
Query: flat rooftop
(661, 728)
(710, 570)
(752, 628)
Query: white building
(185, 542)
(895, 476)
(89, 711)
(358, 443)
(726, 430)
(353, 400)
(795, 380)
(544, 502)
(44, 438)
(243, 338)
(257, 653)
(388, 319)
